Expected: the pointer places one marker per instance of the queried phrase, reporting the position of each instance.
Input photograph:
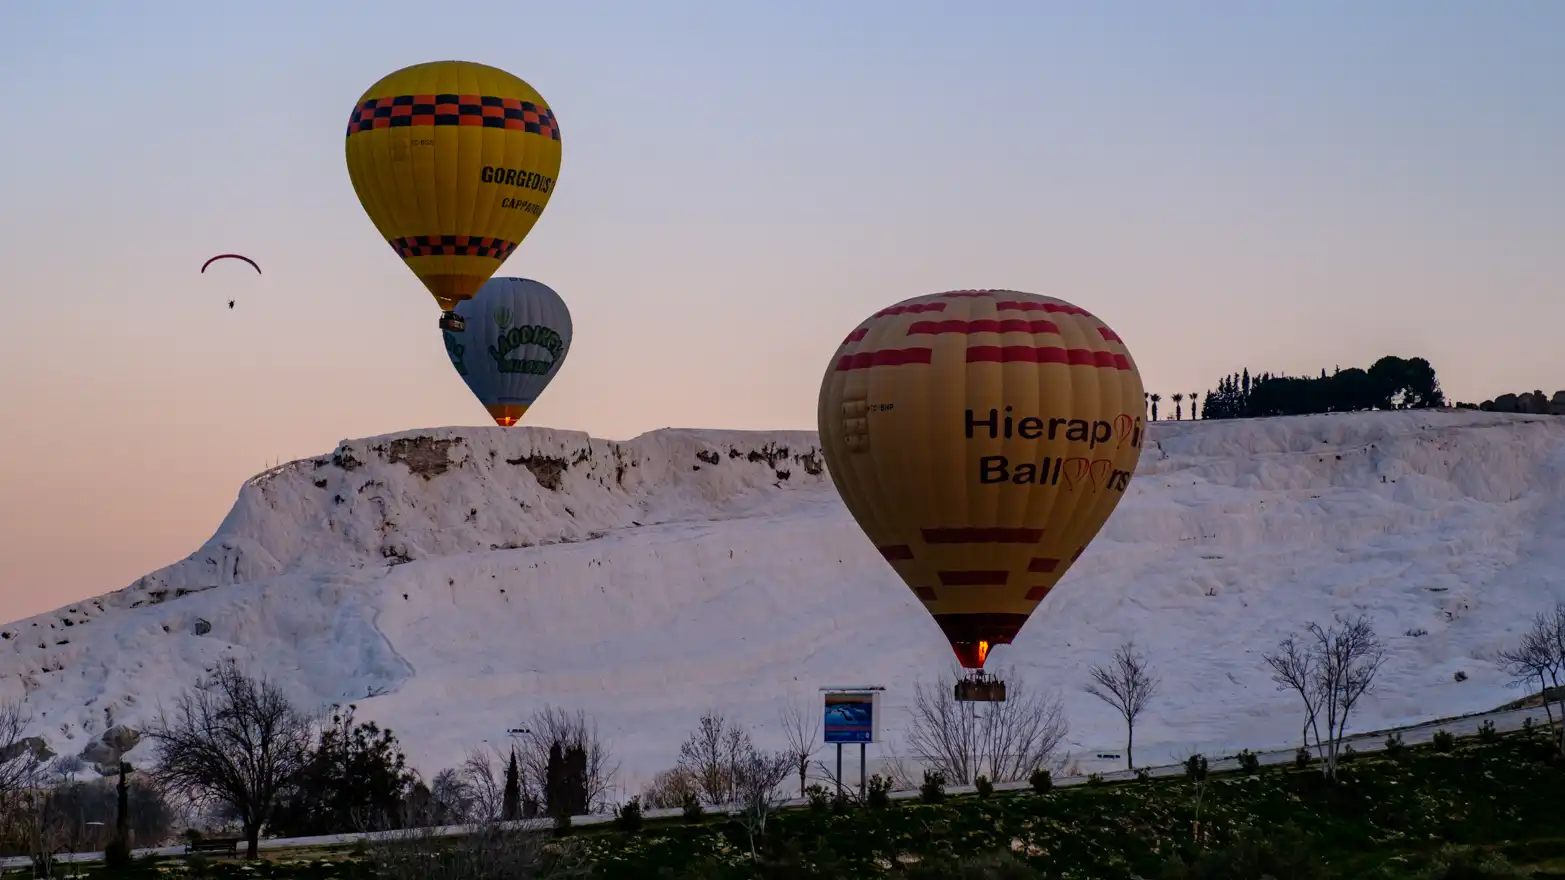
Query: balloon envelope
(981, 438)
(454, 162)
(518, 333)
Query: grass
(1418, 813)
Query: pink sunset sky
(1280, 186)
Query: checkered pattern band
(452, 246)
(479, 110)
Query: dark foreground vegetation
(1480, 808)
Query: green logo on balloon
(455, 350)
(509, 339)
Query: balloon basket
(980, 688)
(452, 321)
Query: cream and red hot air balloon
(981, 438)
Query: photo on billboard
(850, 718)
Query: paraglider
(518, 333)
(231, 257)
(981, 438)
(454, 162)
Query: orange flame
(983, 651)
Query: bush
(820, 799)
(1487, 733)
(1094, 779)
(1302, 758)
(1443, 741)
(1528, 726)
(1143, 774)
(1249, 762)
(878, 793)
(840, 802)
(1041, 780)
(116, 856)
(692, 807)
(984, 786)
(562, 824)
(1393, 743)
(1287, 853)
(1347, 755)
(933, 790)
(628, 817)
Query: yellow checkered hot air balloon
(981, 438)
(454, 162)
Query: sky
(1283, 186)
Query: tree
(1330, 670)
(233, 740)
(711, 756)
(1007, 742)
(758, 776)
(551, 725)
(1539, 657)
(512, 810)
(1193, 396)
(483, 783)
(565, 785)
(1179, 406)
(803, 732)
(357, 776)
(1155, 398)
(1196, 772)
(1127, 684)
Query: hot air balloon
(454, 162)
(518, 333)
(981, 438)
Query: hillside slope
(451, 581)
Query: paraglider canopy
(230, 257)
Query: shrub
(984, 786)
(1041, 780)
(1443, 741)
(1249, 762)
(1393, 743)
(1487, 733)
(628, 817)
(878, 794)
(933, 789)
(1302, 758)
(116, 856)
(841, 802)
(1143, 774)
(1347, 755)
(820, 799)
(692, 807)
(1094, 779)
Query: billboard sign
(852, 717)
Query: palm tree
(1193, 396)
(1179, 412)
(1155, 398)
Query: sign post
(852, 715)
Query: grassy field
(1397, 814)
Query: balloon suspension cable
(452, 321)
(979, 687)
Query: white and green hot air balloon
(517, 334)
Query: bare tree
(1127, 684)
(551, 725)
(1539, 657)
(1005, 741)
(20, 757)
(1330, 670)
(711, 756)
(758, 777)
(233, 740)
(668, 789)
(483, 774)
(803, 731)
